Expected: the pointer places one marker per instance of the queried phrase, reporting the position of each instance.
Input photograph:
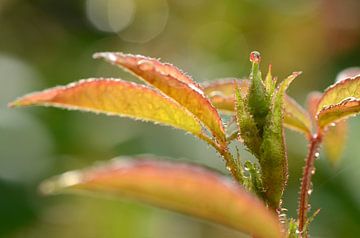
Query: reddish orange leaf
(115, 97)
(221, 94)
(313, 100)
(172, 82)
(184, 188)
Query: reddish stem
(306, 189)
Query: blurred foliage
(46, 42)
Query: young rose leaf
(334, 113)
(115, 97)
(184, 188)
(257, 99)
(334, 141)
(347, 73)
(347, 88)
(273, 160)
(295, 116)
(335, 135)
(339, 101)
(172, 82)
(312, 102)
(247, 125)
(221, 94)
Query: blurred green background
(45, 43)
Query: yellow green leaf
(295, 116)
(172, 82)
(115, 97)
(334, 113)
(338, 92)
(334, 141)
(221, 93)
(181, 187)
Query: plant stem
(306, 189)
(234, 167)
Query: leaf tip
(297, 73)
(108, 56)
(56, 184)
(14, 104)
(20, 102)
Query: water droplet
(255, 57)
(309, 207)
(317, 154)
(297, 231)
(309, 191)
(313, 171)
(333, 124)
(247, 166)
(228, 168)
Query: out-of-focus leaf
(273, 159)
(312, 102)
(226, 87)
(258, 100)
(247, 126)
(334, 141)
(115, 97)
(347, 73)
(334, 113)
(172, 82)
(184, 188)
(295, 117)
(221, 94)
(338, 92)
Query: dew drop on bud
(255, 57)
